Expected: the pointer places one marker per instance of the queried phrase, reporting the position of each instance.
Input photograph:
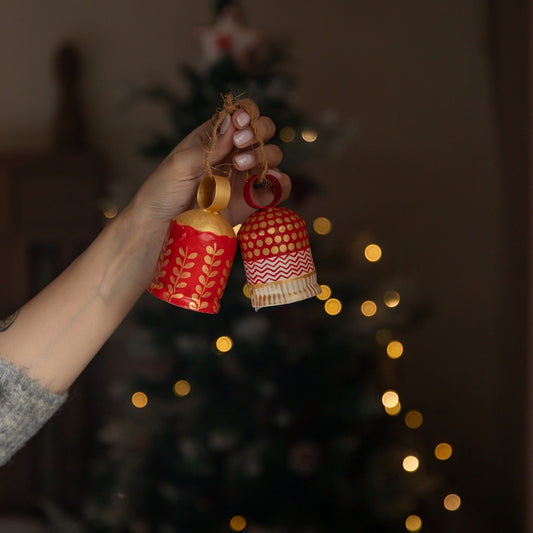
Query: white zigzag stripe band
(279, 267)
(284, 291)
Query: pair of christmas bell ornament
(200, 245)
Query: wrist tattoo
(8, 322)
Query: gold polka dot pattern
(271, 232)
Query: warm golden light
(237, 523)
(287, 134)
(394, 349)
(413, 419)
(411, 463)
(237, 228)
(139, 400)
(391, 298)
(333, 306)
(325, 293)
(309, 135)
(246, 290)
(383, 337)
(182, 388)
(322, 225)
(224, 344)
(393, 411)
(373, 253)
(443, 451)
(413, 523)
(390, 399)
(111, 212)
(369, 308)
(452, 502)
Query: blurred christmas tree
(266, 422)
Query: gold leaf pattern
(162, 262)
(203, 274)
(180, 273)
(209, 270)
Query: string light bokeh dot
(287, 134)
(182, 388)
(373, 253)
(390, 399)
(111, 212)
(224, 344)
(391, 298)
(369, 308)
(322, 225)
(443, 451)
(413, 419)
(139, 400)
(237, 523)
(413, 523)
(411, 463)
(309, 135)
(246, 290)
(394, 411)
(452, 502)
(325, 292)
(394, 349)
(333, 306)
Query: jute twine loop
(230, 105)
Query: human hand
(172, 188)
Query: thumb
(198, 148)
(220, 141)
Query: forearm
(59, 331)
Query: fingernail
(242, 137)
(225, 124)
(244, 160)
(274, 173)
(243, 119)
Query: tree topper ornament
(229, 35)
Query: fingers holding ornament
(256, 159)
(262, 131)
(247, 111)
(240, 125)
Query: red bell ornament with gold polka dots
(196, 258)
(276, 254)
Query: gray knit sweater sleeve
(24, 407)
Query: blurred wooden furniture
(49, 213)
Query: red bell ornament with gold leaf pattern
(196, 258)
(276, 254)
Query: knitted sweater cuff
(24, 407)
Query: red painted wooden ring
(276, 189)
